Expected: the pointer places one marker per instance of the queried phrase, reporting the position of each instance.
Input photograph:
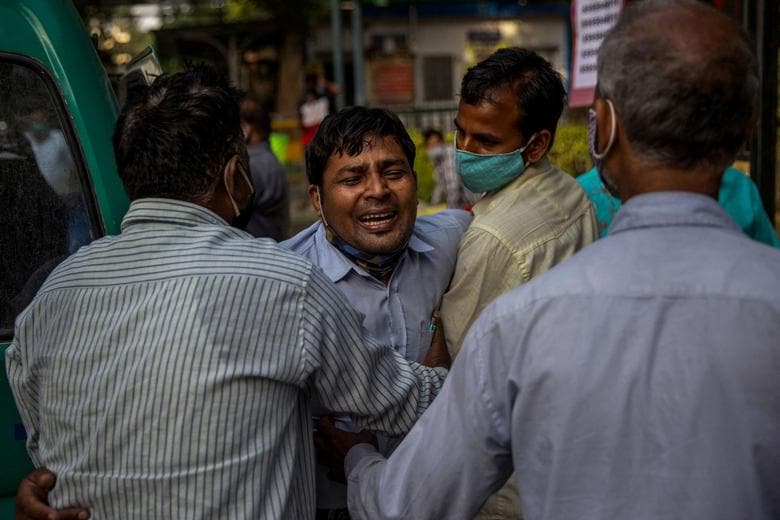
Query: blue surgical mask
(489, 172)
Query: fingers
(71, 513)
(42, 480)
(32, 499)
(328, 426)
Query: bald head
(683, 80)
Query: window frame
(66, 122)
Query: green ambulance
(58, 183)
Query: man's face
(370, 200)
(489, 127)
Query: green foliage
(240, 10)
(570, 151)
(423, 166)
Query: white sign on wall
(591, 20)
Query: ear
(539, 147)
(315, 199)
(603, 124)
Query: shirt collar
(336, 265)
(671, 208)
(169, 211)
(534, 170)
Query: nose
(463, 142)
(376, 186)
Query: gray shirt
(638, 379)
(270, 211)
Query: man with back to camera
(392, 265)
(533, 215)
(167, 372)
(638, 379)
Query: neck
(701, 181)
(380, 266)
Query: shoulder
(544, 208)
(448, 219)
(303, 242)
(443, 230)
(262, 156)
(196, 252)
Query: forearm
(446, 467)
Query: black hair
(538, 88)
(432, 132)
(173, 138)
(253, 114)
(348, 132)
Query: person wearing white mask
(449, 188)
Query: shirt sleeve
(354, 374)
(23, 384)
(486, 268)
(454, 458)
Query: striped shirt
(167, 372)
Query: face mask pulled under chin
(489, 172)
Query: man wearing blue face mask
(533, 215)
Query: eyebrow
(364, 166)
(480, 136)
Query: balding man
(637, 379)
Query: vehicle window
(46, 203)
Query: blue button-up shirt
(638, 379)
(399, 313)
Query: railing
(422, 118)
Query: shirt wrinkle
(196, 375)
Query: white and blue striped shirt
(167, 372)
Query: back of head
(173, 138)
(537, 86)
(348, 131)
(684, 81)
(253, 114)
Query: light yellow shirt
(518, 232)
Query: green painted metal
(51, 33)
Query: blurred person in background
(738, 195)
(449, 188)
(269, 214)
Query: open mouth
(377, 220)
